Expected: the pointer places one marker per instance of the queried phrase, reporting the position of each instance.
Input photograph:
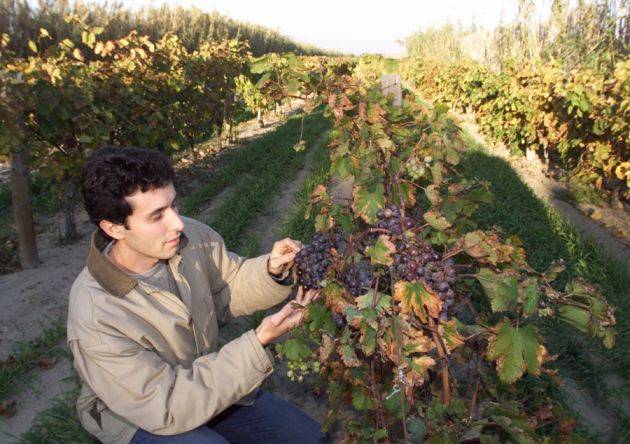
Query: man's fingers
(286, 245)
(299, 297)
(281, 260)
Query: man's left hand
(282, 255)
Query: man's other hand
(291, 315)
(282, 255)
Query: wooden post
(22, 212)
(392, 85)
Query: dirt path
(32, 299)
(607, 227)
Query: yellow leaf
(77, 54)
(418, 298)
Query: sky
(357, 27)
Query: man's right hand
(291, 315)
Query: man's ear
(115, 231)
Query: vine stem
(375, 390)
(380, 410)
(439, 345)
(473, 401)
(452, 253)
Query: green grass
(14, 377)
(251, 160)
(296, 226)
(59, 423)
(280, 165)
(546, 236)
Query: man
(144, 313)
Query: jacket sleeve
(241, 286)
(147, 391)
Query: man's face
(154, 225)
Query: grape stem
(452, 253)
(420, 228)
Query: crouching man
(144, 314)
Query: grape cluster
(313, 260)
(415, 261)
(357, 280)
(298, 369)
(417, 168)
(388, 218)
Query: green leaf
(84, 138)
(480, 195)
(360, 401)
(576, 317)
(530, 299)
(365, 301)
(319, 318)
(368, 339)
(295, 350)
(341, 166)
(381, 252)
(263, 79)
(367, 200)
(259, 65)
(502, 290)
(515, 350)
(436, 220)
(417, 429)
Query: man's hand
(282, 255)
(291, 315)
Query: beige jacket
(146, 359)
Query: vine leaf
(295, 349)
(381, 252)
(368, 199)
(349, 357)
(488, 247)
(333, 296)
(531, 295)
(516, 350)
(436, 220)
(448, 331)
(415, 341)
(432, 194)
(418, 298)
(365, 301)
(501, 289)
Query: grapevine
(419, 306)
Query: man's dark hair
(113, 172)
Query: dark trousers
(269, 420)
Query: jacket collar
(109, 276)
